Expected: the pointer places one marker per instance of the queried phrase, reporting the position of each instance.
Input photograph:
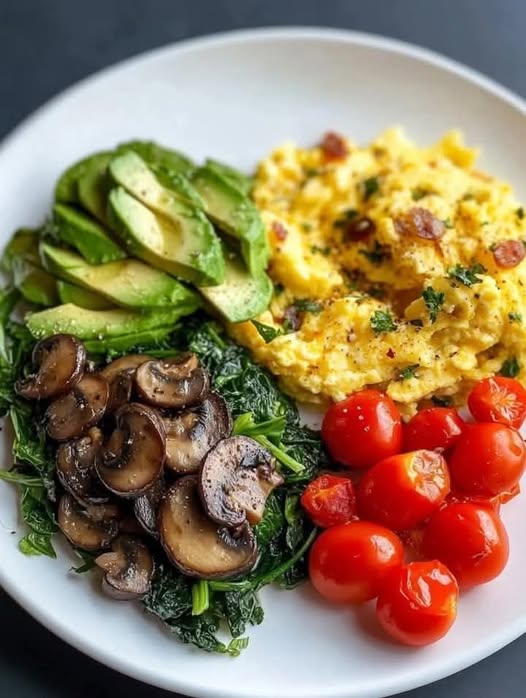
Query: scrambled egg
(389, 270)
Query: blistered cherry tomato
(489, 459)
(470, 539)
(498, 399)
(362, 429)
(436, 429)
(401, 491)
(418, 603)
(349, 562)
(329, 500)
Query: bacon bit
(391, 353)
(420, 222)
(333, 146)
(279, 230)
(359, 228)
(509, 254)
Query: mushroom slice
(236, 478)
(146, 507)
(195, 544)
(120, 374)
(70, 415)
(60, 360)
(133, 457)
(75, 466)
(175, 383)
(90, 528)
(192, 433)
(128, 568)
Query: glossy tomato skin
(498, 399)
(418, 603)
(402, 491)
(362, 429)
(435, 429)
(329, 500)
(488, 460)
(348, 563)
(470, 540)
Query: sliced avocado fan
(77, 229)
(69, 293)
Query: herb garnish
(305, 305)
(408, 372)
(466, 275)
(325, 251)
(345, 217)
(442, 400)
(447, 223)
(266, 332)
(510, 368)
(434, 301)
(418, 193)
(369, 187)
(382, 321)
(520, 213)
(515, 317)
(377, 255)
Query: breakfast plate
(234, 97)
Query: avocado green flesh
(69, 293)
(102, 324)
(86, 235)
(160, 243)
(23, 243)
(66, 188)
(242, 296)
(93, 185)
(127, 282)
(179, 185)
(155, 154)
(128, 341)
(236, 179)
(34, 283)
(236, 215)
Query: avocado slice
(102, 324)
(154, 154)
(86, 235)
(69, 293)
(93, 186)
(23, 243)
(179, 185)
(139, 341)
(66, 188)
(190, 249)
(242, 182)
(34, 283)
(126, 282)
(242, 295)
(236, 215)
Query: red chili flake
(359, 228)
(279, 230)
(420, 222)
(391, 353)
(509, 253)
(333, 146)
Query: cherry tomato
(498, 399)
(418, 603)
(401, 491)
(349, 562)
(329, 500)
(470, 539)
(436, 429)
(362, 429)
(488, 460)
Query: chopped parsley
(468, 196)
(278, 289)
(377, 292)
(520, 213)
(434, 301)
(306, 226)
(325, 251)
(377, 255)
(382, 321)
(510, 368)
(466, 275)
(447, 223)
(266, 332)
(418, 193)
(369, 187)
(442, 400)
(416, 323)
(312, 172)
(515, 317)
(345, 217)
(305, 305)
(408, 372)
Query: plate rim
(329, 34)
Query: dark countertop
(46, 46)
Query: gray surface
(48, 45)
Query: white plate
(235, 97)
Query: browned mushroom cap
(70, 415)
(132, 459)
(236, 478)
(128, 568)
(195, 544)
(192, 433)
(92, 527)
(146, 506)
(75, 466)
(60, 360)
(120, 374)
(174, 383)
